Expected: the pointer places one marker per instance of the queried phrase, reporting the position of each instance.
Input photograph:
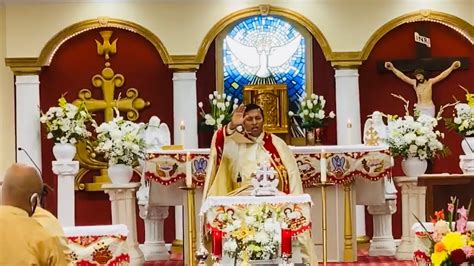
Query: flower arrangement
(414, 137)
(66, 123)
(120, 141)
(463, 119)
(447, 245)
(256, 237)
(222, 106)
(311, 111)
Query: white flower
(200, 104)
(311, 115)
(211, 96)
(262, 237)
(230, 245)
(214, 102)
(314, 96)
(215, 93)
(332, 114)
(290, 113)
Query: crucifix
(423, 62)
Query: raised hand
(389, 65)
(237, 117)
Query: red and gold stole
(269, 146)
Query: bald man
(23, 240)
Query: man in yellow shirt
(236, 151)
(23, 240)
(52, 225)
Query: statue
(156, 134)
(423, 86)
(375, 123)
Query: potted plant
(463, 122)
(66, 125)
(120, 142)
(311, 112)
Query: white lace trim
(99, 230)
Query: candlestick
(182, 129)
(189, 173)
(216, 244)
(285, 244)
(323, 167)
(349, 132)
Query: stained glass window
(264, 50)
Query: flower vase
(64, 151)
(414, 167)
(314, 136)
(120, 174)
(467, 145)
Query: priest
(236, 151)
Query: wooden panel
(440, 188)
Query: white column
(382, 243)
(185, 107)
(28, 131)
(348, 108)
(154, 247)
(123, 202)
(413, 203)
(66, 171)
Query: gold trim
(23, 66)
(460, 25)
(54, 43)
(222, 24)
(183, 63)
(363, 239)
(342, 60)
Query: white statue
(376, 122)
(156, 134)
(265, 182)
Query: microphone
(46, 187)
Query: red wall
(375, 89)
(71, 70)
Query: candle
(216, 242)
(285, 241)
(189, 173)
(349, 132)
(182, 128)
(323, 167)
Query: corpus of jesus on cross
(423, 62)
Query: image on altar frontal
(264, 50)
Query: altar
(361, 174)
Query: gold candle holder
(190, 246)
(325, 219)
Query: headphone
(34, 202)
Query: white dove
(263, 56)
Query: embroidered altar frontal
(344, 164)
(291, 210)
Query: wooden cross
(108, 81)
(423, 58)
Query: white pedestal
(154, 246)
(413, 203)
(66, 171)
(123, 202)
(382, 243)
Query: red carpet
(363, 259)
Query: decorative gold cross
(108, 81)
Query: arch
(54, 43)
(262, 10)
(456, 23)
